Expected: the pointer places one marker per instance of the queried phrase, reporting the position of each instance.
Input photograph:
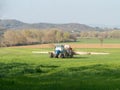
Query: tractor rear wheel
(62, 56)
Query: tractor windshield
(59, 47)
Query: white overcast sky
(96, 12)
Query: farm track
(72, 45)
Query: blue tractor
(62, 51)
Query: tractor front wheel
(51, 55)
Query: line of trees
(103, 34)
(24, 37)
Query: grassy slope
(22, 70)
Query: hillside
(15, 24)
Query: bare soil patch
(73, 46)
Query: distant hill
(15, 24)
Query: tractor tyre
(62, 56)
(51, 55)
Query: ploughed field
(73, 46)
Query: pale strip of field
(77, 53)
(91, 53)
(73, 46)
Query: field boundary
(72, 45)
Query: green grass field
(96, 41)
(20, 69)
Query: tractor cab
(59, 48)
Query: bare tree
(10, 37)
(66, 36)
(101, 37)
(115, 34)
(59, 36)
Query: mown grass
(20, 69)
